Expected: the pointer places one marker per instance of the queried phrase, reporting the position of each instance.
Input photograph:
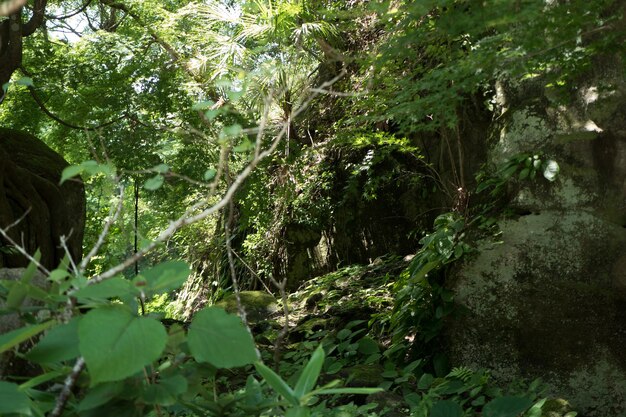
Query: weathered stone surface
(258, 305)
(29, 187)
(550, 301)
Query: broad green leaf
(166, 391)
(58, 275)
(17, 295)
(59, 344)
(31, 269)
(87, 167)
(15, 337)
(110, 288)
(368, 346)
(277, 383)
(310, 373)
(166, 276)
(245, 146)
(13, 400)
(220, 339)
(117, 344)
(71, 172)
(161, 168)
(25, 81)
(506, 407)
(40, 379)
(154, 183)
(446, 409)
(425, 381)
(99, 395)
(349, 390)
(232, 131)
(535, 410)
(209, 174)
(343, 334)
(203, 105)
(298, 411)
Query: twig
(187, 219)
(244, 263)
(21, 248)
(70, 381)
(184, 220)
(231, 264)
(68, 253)
(105, 232)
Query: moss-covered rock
(550, 300)
(258, 305)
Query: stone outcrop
(29, 190)
(550, 301)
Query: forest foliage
(211, 135)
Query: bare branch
(70, 381)
(187, 218)
(20, 247)
(113, 216)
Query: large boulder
(550, 301)
(39, 211)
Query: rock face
(550, 301)
(29, 187)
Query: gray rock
(550, 300)
(29, 190)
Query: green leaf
(355, 390)
(154, 183)
(166, 391)
(425, 381)
(446, 409)
(298, 411)
(277, 383)
(59, 344)
(368, 346)
(535, 410)
(524, 173)
(161, 168)
(232, 131)
(166, 276)
(87, 167)
(117, 344)
(203, 105)
(209, 174)
(25, 81)
(245, 146)
(220, 339)
(110, 288)
(343, 334)
(40, 379)
(15, 337)
(58, 275)
(506, 407)
(308, 377)
(12, 400)
(31, 269)
(100, 395)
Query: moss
(257, 304)
(555, 407)
(363, 375)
